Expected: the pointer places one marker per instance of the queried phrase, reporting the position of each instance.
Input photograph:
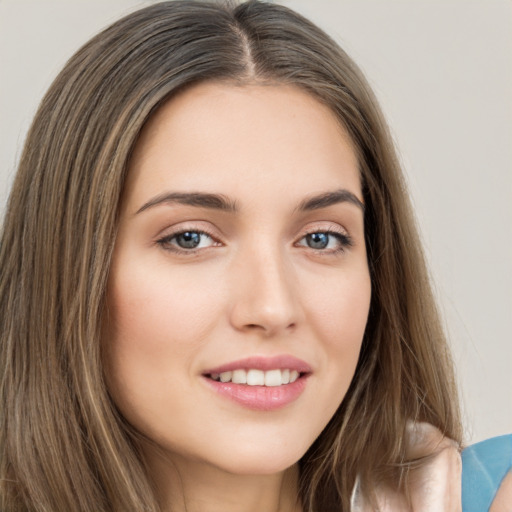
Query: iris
(188, 240)
(318, 240)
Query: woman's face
(240, 257)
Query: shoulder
(484, 467)
(435, 484)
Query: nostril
(268, 329)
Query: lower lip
(260, 398)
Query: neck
(191, 486)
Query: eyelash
(344, 240)
(165, 242)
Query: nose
(265, 298)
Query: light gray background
(443, 73)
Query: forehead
(218, 136)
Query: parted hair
(63, 444)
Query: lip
(281, 362)
(261, 398)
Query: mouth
(261, 384)
(255, 377)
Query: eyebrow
(328, 199)
(221, 202)
(199, 199)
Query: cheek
(158, 323)
(340, 309)
(338, 314)
(155, 311)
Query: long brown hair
(63, 444)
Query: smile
(254, 377)
(260, 383)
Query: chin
(260, 458)
(270, 465)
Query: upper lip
(280, 362)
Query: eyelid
(164, 238)
(344, 239)
(324, 227)
(334, 229)
(198, 225)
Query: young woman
(213, 295)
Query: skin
(254, 286)
(503, 499)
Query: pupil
(188, 240)
(318, 240)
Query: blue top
(484, 465)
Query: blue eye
(318, 240)
(187, 241)
(325, 240)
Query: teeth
(270, 378)
(273, 378)
(225, 376)
(239, 377)
(255, 378)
